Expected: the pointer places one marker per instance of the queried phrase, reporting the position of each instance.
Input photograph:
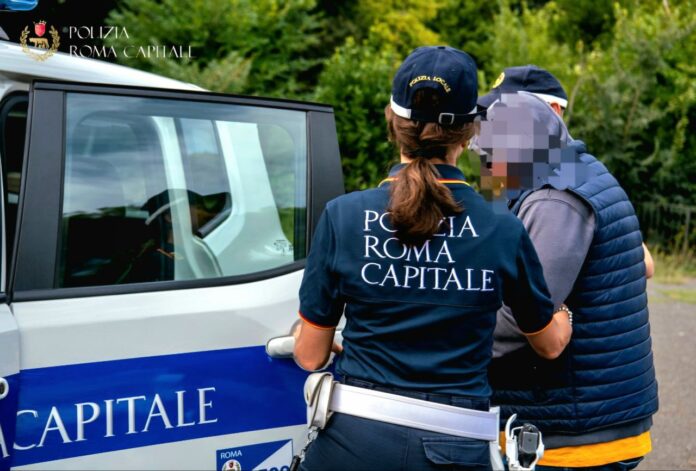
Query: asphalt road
(673, 326)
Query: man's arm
(561, 228)
(321, 304)
(526, 293)
(313, 345)
(649, 263)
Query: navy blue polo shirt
(421, 318)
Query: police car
(153, 241)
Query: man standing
(541, 83)
(595, 403)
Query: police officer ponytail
(419, 201)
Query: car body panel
(18, 69)
(170, 374)
(9, 379)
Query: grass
(681, 295)
(673, 267)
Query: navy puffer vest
(605, 377)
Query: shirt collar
(449, 174)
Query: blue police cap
(527, 78)
(451, 73)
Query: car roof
(18, 67)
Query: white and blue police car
(153, 238)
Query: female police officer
(420, 265)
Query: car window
(158, 190)
(13, 122)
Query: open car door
(161, 243)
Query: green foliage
(637, 101)
(585, 21)
(466, 24)
(526, 38)
(357, 82)
(631, 94)
(398, 24)
(241, 46)
(627, 67)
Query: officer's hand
(336, 348)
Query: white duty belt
(324, 396)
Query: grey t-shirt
(561, 226)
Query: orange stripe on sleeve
(315, 325)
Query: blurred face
(521, 148)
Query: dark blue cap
(451, 73)
(528, 78)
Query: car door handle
(4, 388)
(283, 347)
